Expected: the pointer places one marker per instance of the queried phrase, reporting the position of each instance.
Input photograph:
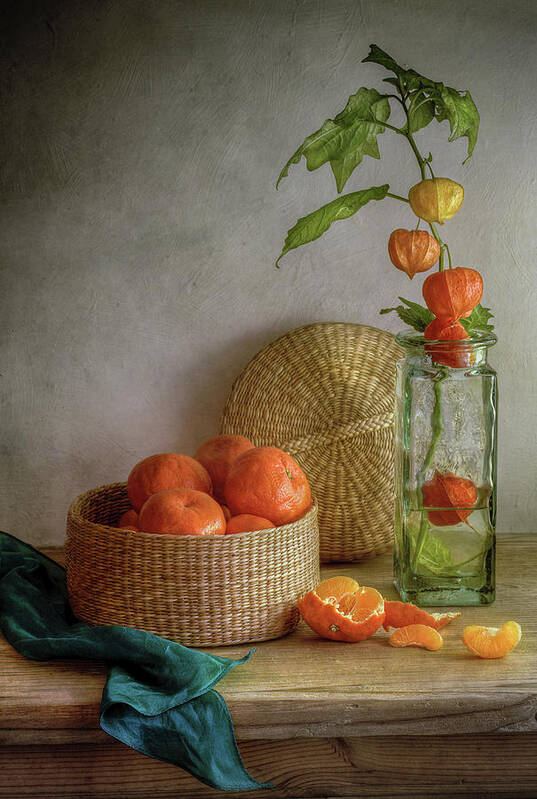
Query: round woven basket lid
(324, 393)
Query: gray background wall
(141, 142)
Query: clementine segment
(217, 454)
(342, 610)
(182, 511)
(128, 519)
(266, 481)
(401, 614)
(162, 471)
(416, 635)
(492, 642)
(247, 523)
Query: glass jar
(445, 471)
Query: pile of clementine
(341, 610)
(229, 486)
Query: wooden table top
(301, 686)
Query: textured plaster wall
(140, 145)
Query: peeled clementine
(492, 642)
(127, 519)
(247, 522)
(182, 511)
(217, 454)
(401, 614)
(453, 293)
(266, 481)
(342, 610)
(162, 471)
(446, 491)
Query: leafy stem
(437, 428)
(422, 163)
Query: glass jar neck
(457, 354)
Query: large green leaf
(435, 556)
(344, 140)
(461, 112)
(478, 320)
(412, 314)
(310, 227)
(455, 106)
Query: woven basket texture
(197, 590)
(324, 393)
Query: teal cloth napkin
(159, 696)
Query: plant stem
(396, 197)
(422, 163)
(413, 144)
(390, 127)
(437, 429)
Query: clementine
(267, 482)
(217, 454)
(247, 522)
(342, 610)
(182, 511)
(127, 519)
(227, 512)
(165, 470)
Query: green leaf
(421, 111)
(344, 140)
(414, 315)
(310, 227)
(435, 556)
(379, 56)
(455, 106)
(478, 320)
(461, 112)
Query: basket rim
(141, 535)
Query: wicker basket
(198, 590)
(324, 393)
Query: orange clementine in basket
(417, 635)
(165, 470)
(266, 481)
(227, 512)
(217, 454)
(342, 610)
(401, 614)
(128, 519)
(491, 642)
(182, 511)
(247, 522)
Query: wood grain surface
(316, 717)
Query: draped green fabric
(159, 696)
